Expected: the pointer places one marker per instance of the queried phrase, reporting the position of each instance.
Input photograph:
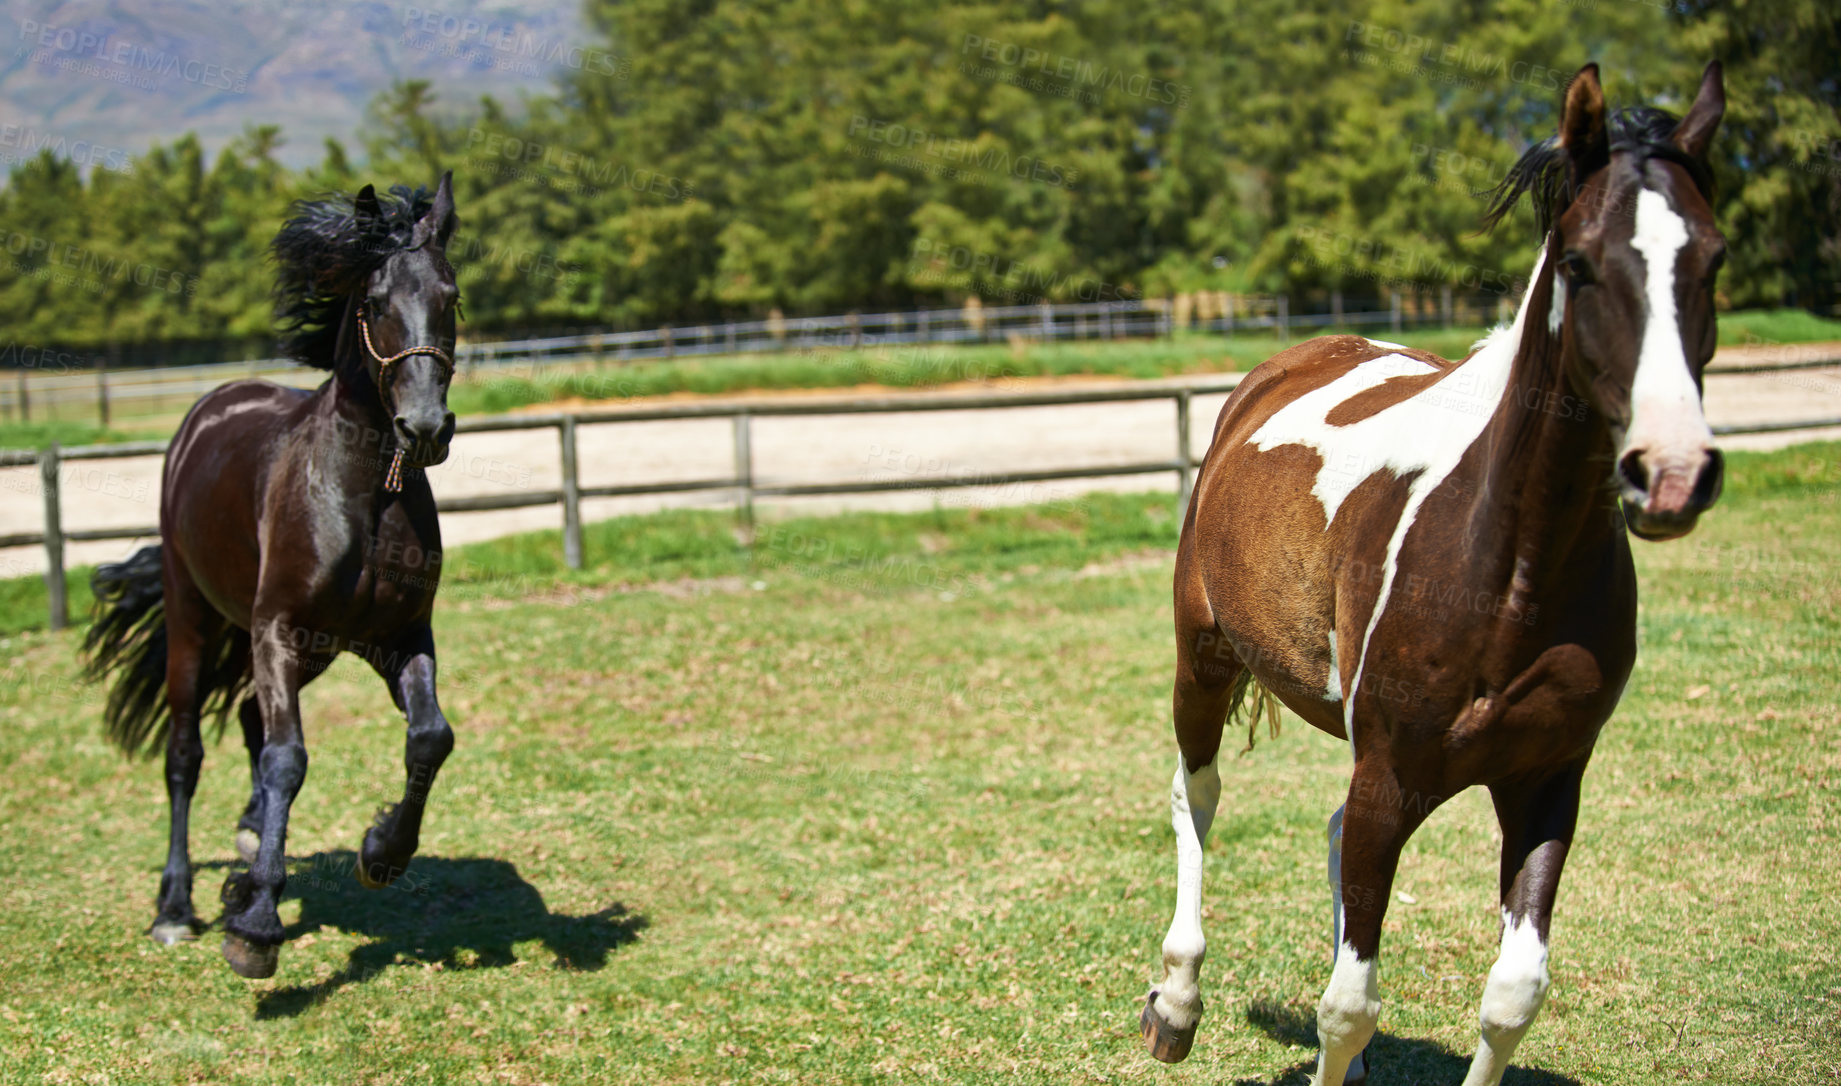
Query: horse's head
(407, 315)
(1635, 255)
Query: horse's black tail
(127, 638)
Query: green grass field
(917, 366)
(885, 801)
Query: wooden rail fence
(742, 483)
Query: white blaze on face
(1665, 412)
(1556, 313)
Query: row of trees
(820, 156)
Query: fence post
(1393, 301)
(671, 346)
(25, 398)
(1444, 304)
(54, 538)
(102, 389)
(1105, 323)
(1185, 476)
(926, 331)
(1336, 308)
(744, 475)
(1227, 314)
(728, 338)
(1048, 321)
(1284, 318)
(572, 499)
(855, 323)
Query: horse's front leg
(252, 926)
(1538, 818)
(391, 841)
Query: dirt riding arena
(843, 448)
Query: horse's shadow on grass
(462, 913)
(1397, 1060)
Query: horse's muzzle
(1665, 492)
(425, 437)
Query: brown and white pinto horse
(1428, 558)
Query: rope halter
(386, 367)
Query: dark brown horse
(290, 532)
(1429, 558)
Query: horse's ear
(365, 206)
(439, 223)
(1695, 133)
(1582, 127)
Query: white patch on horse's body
(1332, 687)
(1386, 346)
(1354, 452)
(1513, 995)
(1556, 312)
(1193, 798)
(1347, 1014)
(1665, 409)
(1424, 436)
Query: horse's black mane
(323, 253)
(1544, 171)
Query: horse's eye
(1578, 269)
(1714, 266)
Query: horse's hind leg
(1537, 829)
(1206, 672)
(249, 826)
(391, 841)
(190, 625)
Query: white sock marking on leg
(1346, 1015)
(1193, 798)
(1513, 995)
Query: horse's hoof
(168, 932)
(384, 872)
(248, 960)
(248, 843)
(1164, 1041)
(1360, 1077)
